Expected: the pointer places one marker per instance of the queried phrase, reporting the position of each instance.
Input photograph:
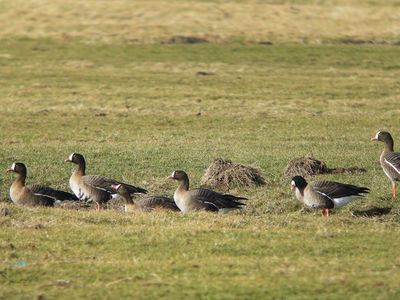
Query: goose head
(76, 158)
(382, 136)
(298, 182)
(18, 168)
(178, 175)
(120, 189)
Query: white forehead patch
(173, 174)
(377, 135)
(70, 157)
(13, 166)
(293, 183)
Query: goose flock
(323, 194)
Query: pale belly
(179, 201)
(77, 190)
(14, 196)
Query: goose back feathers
(145, 204)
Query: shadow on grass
(372, 212)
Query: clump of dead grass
(224, 174)
(310, 166)
(305, 166)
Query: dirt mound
(224, 174)
(309, 166)
(305, 166)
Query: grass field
(79, 77)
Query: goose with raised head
(93, 187)
(389, 160)
(36, 194)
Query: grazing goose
(92, 187)
(146, 204)
(202, 199)
(390, 160)
(34, 195)
(325, 194)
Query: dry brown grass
(224, 174)
(305, 166)
(309, 166)
(150, 21)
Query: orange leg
(97, 207)
(393, 190)
(325, 212)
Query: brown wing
(215, 201)
(392, 164)
(105, 183)
(48, 191)
(158, 202)
(316, 199)
(40, 200)
(394, 159)
(335, 189)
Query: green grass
(132, 110)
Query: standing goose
(93, 187)
(146, 204)
(326, 194)
(390, 160)
(34, 195)
(202, 199)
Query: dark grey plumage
(106, 183)
(144, 204)
(338, 190)
(50, 192)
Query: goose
(36, 194)
(200, 198)
(146, 204)
(389, 160)
(93, 187)
(326, 194)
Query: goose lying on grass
(36, 194)
(202, 199)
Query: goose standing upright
(146, 204)
(325, 194)
(389, 160)
(93, 187)
(36, 194)
(202, 199)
